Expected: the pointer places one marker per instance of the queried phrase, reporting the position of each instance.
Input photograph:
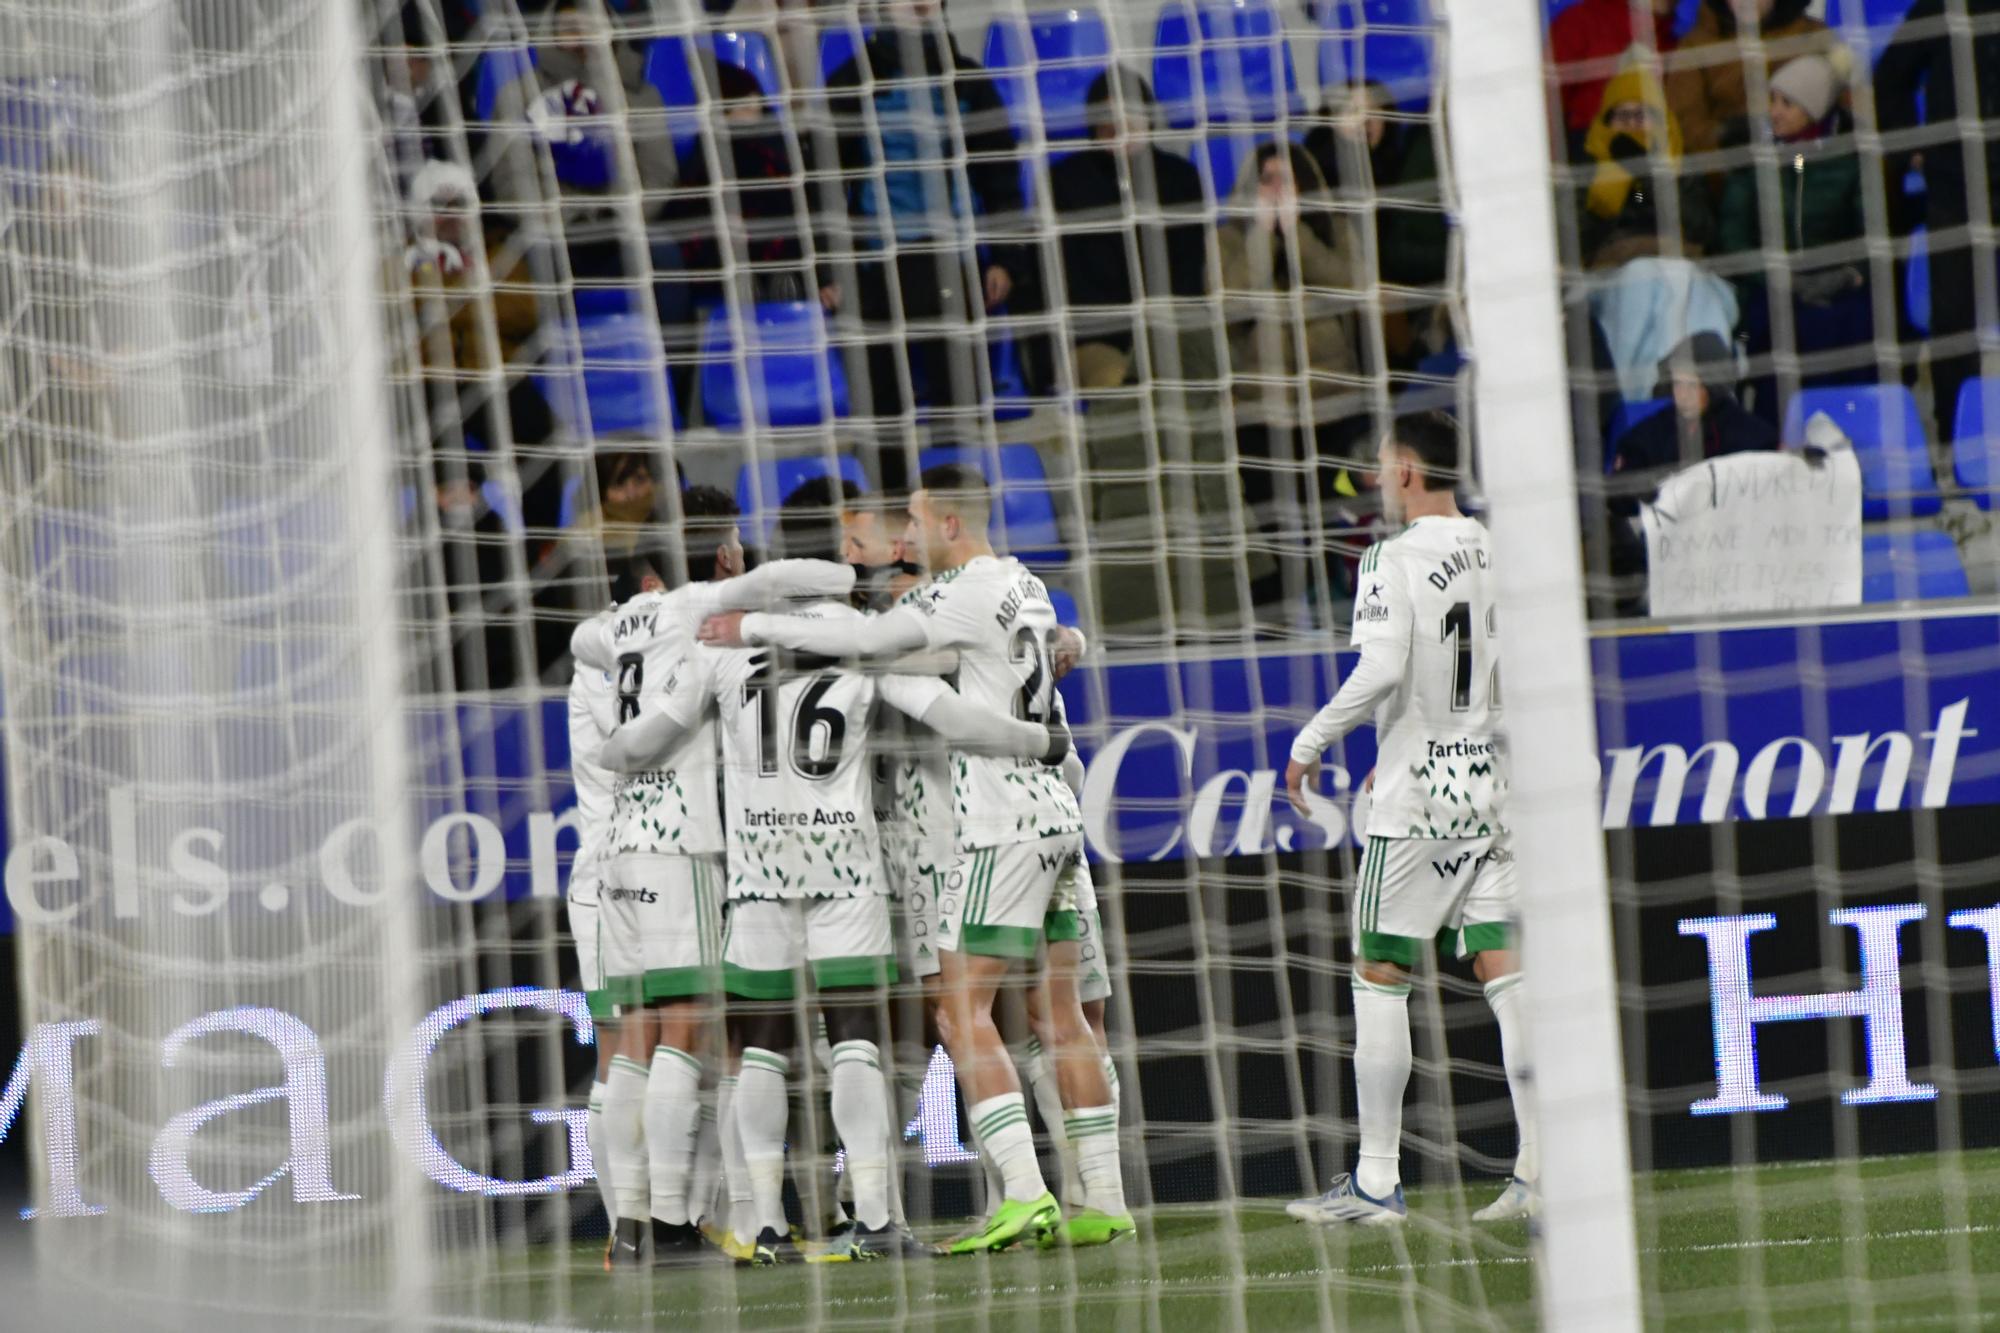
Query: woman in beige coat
(1292, 279)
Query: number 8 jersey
(1439, 766)
(997, 615)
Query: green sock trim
(629, 1063)
(767, 1060)
(1000, 1118)
(680, 1055)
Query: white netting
(623, 249)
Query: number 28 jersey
(996, 613)
(797, 773)
(1440, 766)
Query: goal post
(1495, 100)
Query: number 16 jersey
(1440, 769)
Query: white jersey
(797, 768)
(997, 615)
(593, 712)
(671, 809)
(1440, 766)
(913, 772)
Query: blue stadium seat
(1899, 566)
(1244, 59)
(1623, 418)
(36, 116)
(1917, 279)
(1866, 26)
(1065, 606)
(1897, 480)
(1024, 523)
(671, 72)
(1221, 157)
(750, 50)
(789, 353)
(1975, 455)
(836, 48)
(497, 69)
(592, 301)
(624, 381)
(1067, 49)
(572, 494)
(1010, 382)
(762, 487)
(1386, 42)
(503, 503)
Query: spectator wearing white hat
(1813, 176)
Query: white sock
(762, 1107)
(1002, 1125)
(600, 1154)
(1381, 1073)
(989, 1168)
(1038, 1068)
(861, 1118)
(1111, 1080)
(673, 1114)
(707, 1168)
(625, 1136)
(1504, 995)
(1094, 1131)
(735, 1174)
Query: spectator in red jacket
(1586, 41)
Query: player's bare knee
(1378, 972)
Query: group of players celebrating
(895, 820)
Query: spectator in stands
(762, 213)
(1388, 164)
(476, 310)
(1588, 43)
(478, 588)
(586, 102)
(927, 108)
(1125, 200)
(1706, 421)
(1815, 179)
(1707, 85)
(415, 93)
(1290, 267)
(1635, 143)
(623, 522)
(1920, 62)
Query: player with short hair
(1017, 829)
(1437, 855)
(661, 920)
(805, 887)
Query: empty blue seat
(670, 69)
(1387, 42)
(1917, 279)
(750, 50)
(497, 69)
(504, 504)
(836, 47)
(1065, 607)
(623, 386)
(1899, 566)
(1244, 62)
(793, 374)
(1024, 521)
(1010, 381)
(1866, 26)
(1623, 418)
(1221, 158)
(1066, 48)
(762, 487)
(1897, 480)
(1975, 455)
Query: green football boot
(1091, 1227)
(1013, 1222)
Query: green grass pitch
(1911, 1242)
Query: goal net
(354, 352)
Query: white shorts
(580, 906)
(917, 925)
(661, 927)
(847, 941)
(996, 900)
(1412, 889)
(1074, 916)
